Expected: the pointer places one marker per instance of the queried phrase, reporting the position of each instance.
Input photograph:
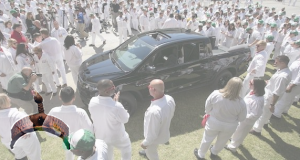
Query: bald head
(158, 85)
(27, 71)
(56, 24)
(104, 87)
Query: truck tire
(129, 102)
(222, 79)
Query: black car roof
(161, 36)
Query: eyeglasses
(111, 88)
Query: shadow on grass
(286, 150)
(246, 153)
(282, 125)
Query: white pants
(69, 155)
(106, 16)
(129, 28)
(215, 128)
(61, 68)
(246, 85)
(123, 144)
(74, 71)
(286, 101)
(49, 83)
(135, 24)
(145, 29)
(276, 50)
(94, 34)
(266, 115)
(29, 147)
(4, 80)
(241, 132)
(122, 34)
(293, 3)
(151, 152)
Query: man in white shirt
(270, 45)
(159, 21)
(51, 46)
(171, 22)
(109, 117)
(76, 118)
(157, 119)
(144, 21)
(256, 67)
(273, 92)
(96, 27)
(254, 37)
(60, 34)
(122, 28)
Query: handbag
(25, 95)
(205, 117)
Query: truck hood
(99, 67)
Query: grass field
(281, 141)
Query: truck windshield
(131, 53)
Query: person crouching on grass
(44, 66)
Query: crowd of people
(35, 47)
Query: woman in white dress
(73, 56)
(229, 35)
(255, 102)
(12, 46)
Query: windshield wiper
(114, 61)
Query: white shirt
(225, 110)
(109, 118)
(8, 117)
(73, 56)
(254, 106)
(292, 53)
(278, 82)
(60, 34)
(121, 22)
(144, 21)
(7, 64)
(76, 118)
(96, 26)
(44, 65)
(295, 69)
(269, 48)
(23, 61)
(254, 36)
(100, 152)
(258, 63)
(170, 23)
(51, 46)
(157, 120)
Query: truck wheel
(222, 80)
(129, 102)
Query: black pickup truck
(181, 58)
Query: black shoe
(92, 45)
(143, 154)
(104, 42)
(196, 154)
(211, 154)
(266, 126)
(295, 103)
(274, 117)
(255, 133)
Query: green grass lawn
(281, 141)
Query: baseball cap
(13, 11)
(273, 25)
(296, 19)
(294, 32)
(248, 29)
(244, 23)
(297, 43)
(261, 22)
(270, 37)
(82, 140)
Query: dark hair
(44, 31)
(259, 86)
(21, 48)
(36, 35)
(171, 15)
(16, 25)
(67, 94)
(69, 41)
(283, 58)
